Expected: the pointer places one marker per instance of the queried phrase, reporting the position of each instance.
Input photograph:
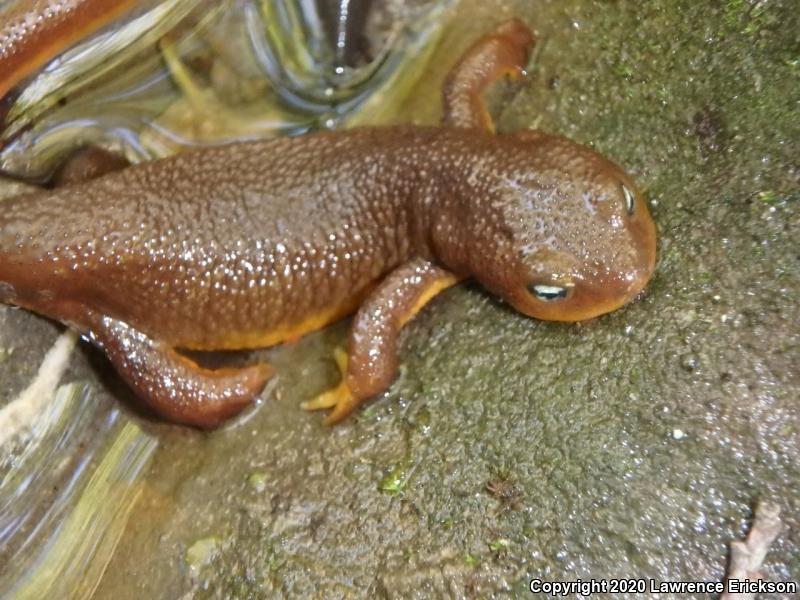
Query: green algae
(202, 552)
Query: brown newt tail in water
(252, 244)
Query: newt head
(564, 234)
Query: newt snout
(555, 229)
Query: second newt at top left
(252, 244)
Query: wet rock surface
(634, 445)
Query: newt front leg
(502, 52)
(371, 360)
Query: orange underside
(292, 332)
(285, 333)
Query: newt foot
(339, 398)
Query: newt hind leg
(173, 385)
(502, 52)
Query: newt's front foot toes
(327, 399)
(340, 399)
(345, 404)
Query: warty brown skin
(253, 244)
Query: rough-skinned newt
(255, 243)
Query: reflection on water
(175, 74)
(65, 496)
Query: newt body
(252, 244)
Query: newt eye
(548, 293)
(630, 200)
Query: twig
(747, 556)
